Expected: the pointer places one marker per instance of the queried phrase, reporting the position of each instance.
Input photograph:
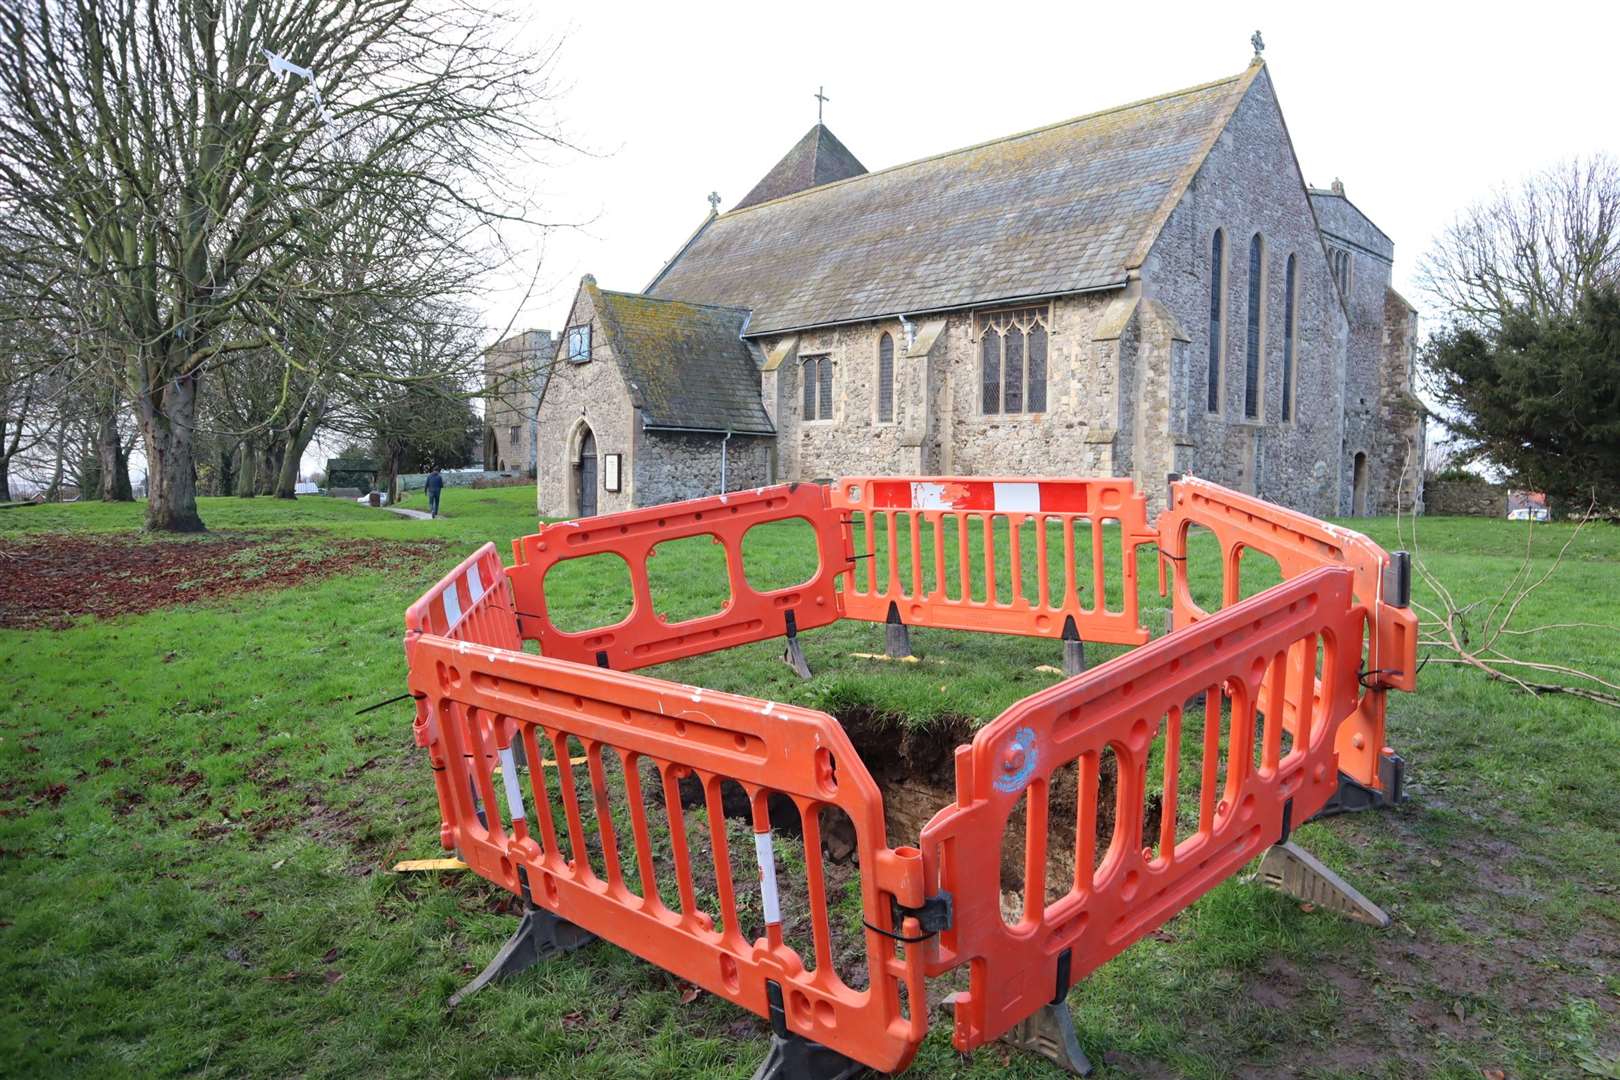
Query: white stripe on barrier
(514, 792)
(925, 496)
(1018, 497)
(475, 584)
(452, 606)
(766, 854)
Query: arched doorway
(586, 494)
(1358, 485)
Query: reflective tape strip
(452, 606)
(1018, 498)
(514, 793)
(475, 584)
(999, 496)
(766, 854)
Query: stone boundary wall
(1452, 497)
(452, 478)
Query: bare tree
(195, 162)
(1534, 248)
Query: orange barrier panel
(960, 516)
(1259, 660)
(472, 603)
(642, 637)
(1300, 543)
(483, 702)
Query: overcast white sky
(1420, 108)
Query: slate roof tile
(1061, 209)
(688, 364)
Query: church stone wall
(939, 425)
(671, 466)
(578, 396)
(1248, 184)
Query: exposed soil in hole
(916, 770)
(48, 581)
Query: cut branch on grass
(1454, 635)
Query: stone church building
(1144, 290)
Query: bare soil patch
(48, 581)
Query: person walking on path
(435, 484)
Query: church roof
(818, 158)
(687, 364)
(1061, 209)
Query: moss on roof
(687, 364)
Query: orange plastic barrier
(1259, 659)
(482, 702)
(955, 513)
(1300, 543)
(471, 604)
(642, 637)
(564, 782)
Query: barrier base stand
(896, 635)
(1074, 649)
(1353, 796)
(1291, 869)
(793, 654)
(1049, 1032)
(539, 935)
(794, 1057)
(793, 657)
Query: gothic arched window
(1256, 337)
(1289, 329)
(1012, 355)
(1217, 328)
(885, 379)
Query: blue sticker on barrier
(1018, 763)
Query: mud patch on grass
(48, 581)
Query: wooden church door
(587, 476)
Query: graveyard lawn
(197, 829)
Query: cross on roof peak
(821, 99)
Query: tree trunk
(270, 465)
(298, 440)
(54, 492)
(113, 473)
(168, 414)
(247, 471)
(124, 490)
(5, 478)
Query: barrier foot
(793, 655)
(539, 935)
(794, 1057)
(1049, 1032)
(896, 635)
(1353, 795)
(1291, 869)
(1074, 649)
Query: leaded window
(1217, 326)
(1257, 312)
(1289, 329)
(579, 343)
(1012, 361)
(885, 379)
(1339, 264)
(817, 378)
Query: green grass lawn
(196, 830)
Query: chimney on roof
(1337, 187)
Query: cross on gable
(821, 99)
